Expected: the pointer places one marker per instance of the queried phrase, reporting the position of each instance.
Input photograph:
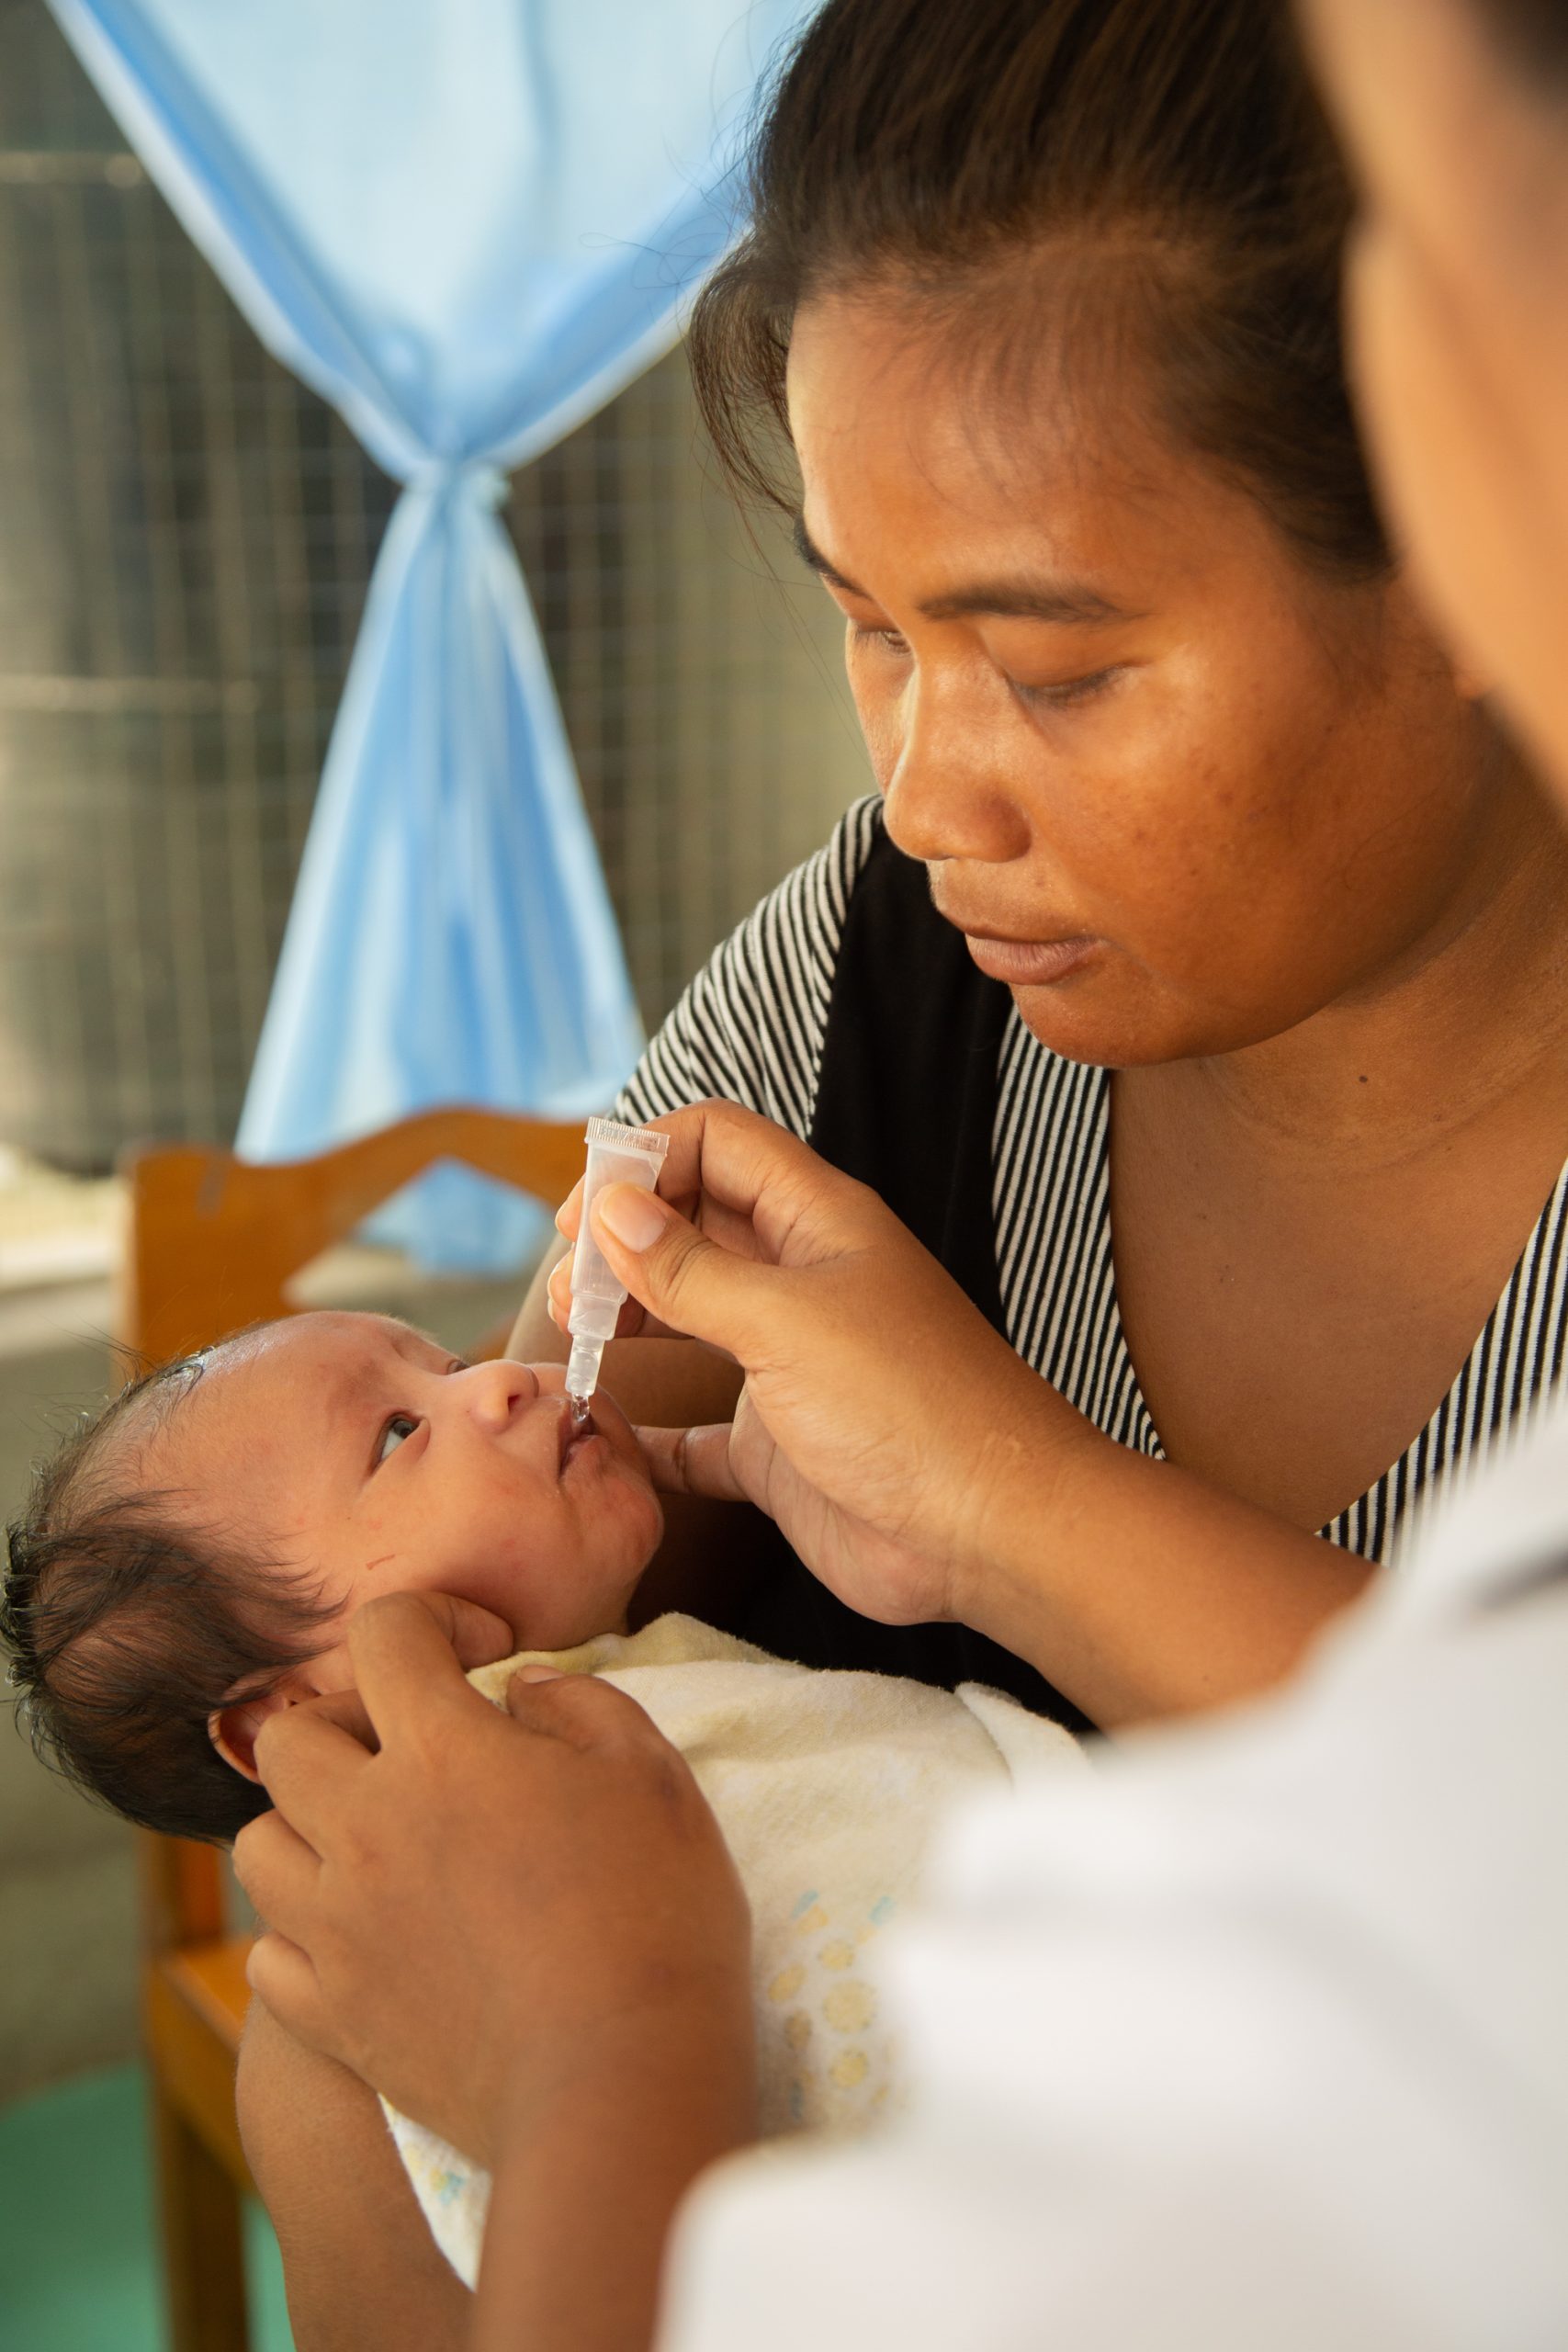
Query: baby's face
(352, 1448)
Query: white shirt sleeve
(1259, 2043)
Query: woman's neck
(1474, 1014)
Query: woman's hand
(883, 1421)
(562, 1909)
(921, 1469)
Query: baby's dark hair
(128, 1624)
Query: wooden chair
(213, 1246)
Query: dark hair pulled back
(1166, 160)
(1532, 33)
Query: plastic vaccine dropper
(615, 1156)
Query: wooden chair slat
(214, 1240)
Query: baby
(190, 1562)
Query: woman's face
(1179, 791)
(1458, 316)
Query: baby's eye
(401, 1425)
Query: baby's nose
(494, 1392)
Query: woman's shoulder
(750, 1026)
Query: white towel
(827, 1788)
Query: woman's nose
(493, 1392)
(943, 799)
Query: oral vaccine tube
(616, 1155)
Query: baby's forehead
(309, 1366)
(327, 1341)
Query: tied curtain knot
(474, 482)
(460, 228)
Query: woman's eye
(888, 640)
(1067, 691)
(401, 1426)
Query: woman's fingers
(743, 1185)
(410, 1649)
(632, 1322)
(308, 1765)
(747, 1175)
(570, 1214)
(406, 1653)
(284, 1980)
(277, 1869)
(580, 1710)
(477, 1635)
(345, 1711)
(686, 1280)
(496, 1891)
(694, 1462)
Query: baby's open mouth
(573, 1436)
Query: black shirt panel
(907, 1103)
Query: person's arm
(1142, 1591)
(586, 2187)
(920, 1468)
(360, 2266)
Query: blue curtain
(468, 223)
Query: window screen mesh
(186, 537)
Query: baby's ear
(234, 1730)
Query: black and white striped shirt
(751, 1028)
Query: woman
(1142, 2199)
(1195, 989)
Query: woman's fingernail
(633, 1218)
(538, 1674)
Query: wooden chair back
(213, 1246)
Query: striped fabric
(751, 1028)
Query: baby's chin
(596, 1597)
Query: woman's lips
(1030, 963)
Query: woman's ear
(233, 1730)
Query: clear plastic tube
(615, 1156)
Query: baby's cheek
(617, 1527)
(639, 1520)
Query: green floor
(77, 2262)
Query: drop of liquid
(581, 1417)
